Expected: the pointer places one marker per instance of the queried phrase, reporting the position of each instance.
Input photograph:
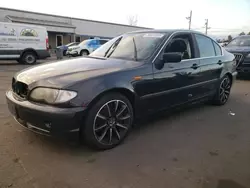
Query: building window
(78, 39)
(59, 40)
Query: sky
(224, 16)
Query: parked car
(223, 44)
(100, 95)
(86, 47)
(240, 47)
(64, 48)
(22, 42)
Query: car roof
(165, 31)
(243, 36)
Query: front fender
(89, 90)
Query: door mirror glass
(172, 57)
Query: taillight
(47, 43)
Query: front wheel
(108, 122)
(84, 53)
(223, 92)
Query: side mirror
(172, 57)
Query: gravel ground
(199, 147)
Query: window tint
(94, 42)
(181, 44)
(217, 49)
(103, 42)
(205, 45)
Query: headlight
(248, 56)
(52, 96)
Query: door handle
(194, 66)
(219, 62)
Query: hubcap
(112, 122)
(29, 59)
(84, 53)
(225, 88)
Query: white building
(62, 30)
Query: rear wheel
(29, 58)
(223, 92)
(108, 122)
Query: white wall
(83, 27)
(100, 29)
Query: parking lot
(200, 147)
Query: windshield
(241, 41)
(134, 46)
(84, 42)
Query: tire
(84, 52)
(19, 61)
(108, 122)
(223, 91)
(29, 58)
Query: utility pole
(206, 26)
(190, 20)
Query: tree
(132, 20)
(229, 38)
(242, 33)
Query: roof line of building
(25, 11)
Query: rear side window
(217, 49)
(205, 45)
(102, 42)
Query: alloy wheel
(112, 122)
(225, 88)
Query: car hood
(62, 73)
(242, 49)
(73, 46)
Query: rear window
(103, 42)
(217, 49)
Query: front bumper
(72, 52)
(45, 119)
(234, 74)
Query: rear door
(8, 41)
(211, 63)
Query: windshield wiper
(113, 47)
(135, 50)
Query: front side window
(133, 46)
(103, 42)
(181, 44)
(205, 46)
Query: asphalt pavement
(200, 147)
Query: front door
(177, 83)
